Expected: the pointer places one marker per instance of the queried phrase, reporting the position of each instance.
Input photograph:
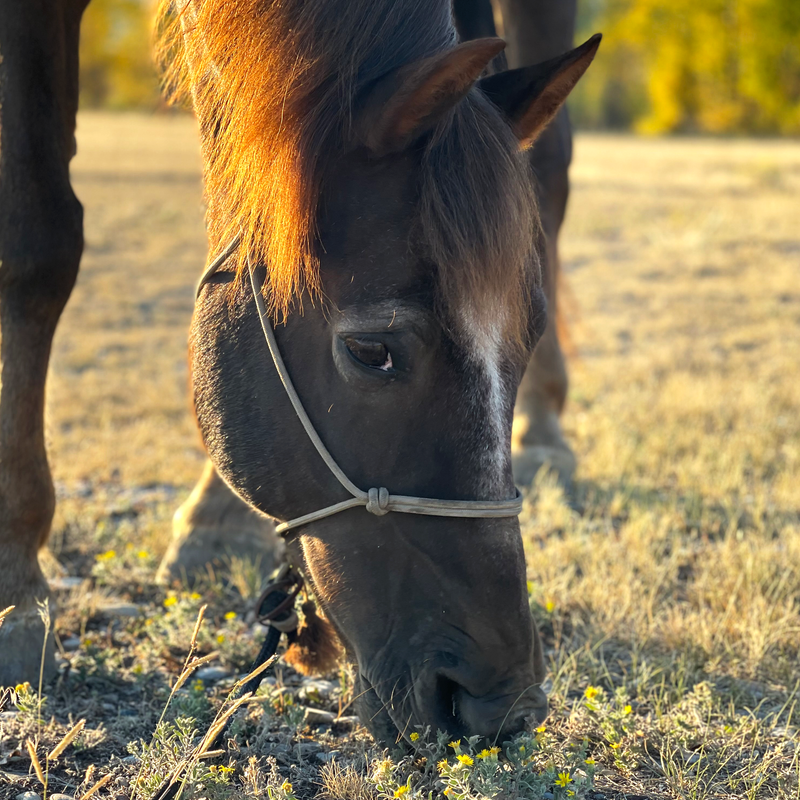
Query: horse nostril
(446, 692)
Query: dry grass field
(666, 583)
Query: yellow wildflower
(589, 762)
(591, 692)
(286, 786)
(484, 754)
(446, 791)
(195, 596)
(549, 606)
(22, 687)
(442, 765)
(107, 556)
(220, 638)
(563, 779)
(230, 615)
(143, 554)
(455, 745)
(170, 601)
(400, 791)
(627, 710)
(414, 736)
(494, 750)
(465, 759)
(540, 729)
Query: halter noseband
(376, 501)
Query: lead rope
(275, 609)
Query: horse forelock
(274, 85)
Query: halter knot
(378, 502)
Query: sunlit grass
(665, 583)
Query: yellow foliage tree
(116, 65)
(718, 66)
(709, 65)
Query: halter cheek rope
(377, 501)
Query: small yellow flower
(455, 745)
(286, 786)
(591, 692)
(522, 748)
(170, 601)
(589, 762)
(627, 710)
(549, 606)
(22, 687)
(570, 793)
(107, 556)
(195, 596)
(465, 759)
(442, 765)
(615, 745)
(143, 554)
(563, 779)
(400, 791)
(220, 638)
(540, 729)
(484, 754)
(230, 615)
(494, 750)
(414, 736)
(446, 791)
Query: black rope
(275, 605)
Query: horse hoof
(24, 650)
(528, 460)
(213, 526)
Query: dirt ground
(666, 583)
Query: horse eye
(370, 353)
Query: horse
(369, 190)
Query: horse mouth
(391, 723)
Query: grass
(666, 583)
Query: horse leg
(474, 19)
(213, 525)
(537, 30)
(41, 241)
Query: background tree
(716, 66)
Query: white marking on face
(485, 343)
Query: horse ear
(412, 99)
(530, 97)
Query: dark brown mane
(280, 81)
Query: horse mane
(275, 83)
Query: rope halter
(377, 501)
